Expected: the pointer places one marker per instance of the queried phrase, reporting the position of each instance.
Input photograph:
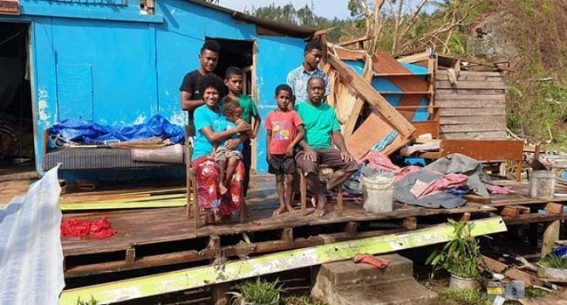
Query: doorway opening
(239, 53)
(16, 119)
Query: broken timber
(364, 89)
(272, 263)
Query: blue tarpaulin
(91, 133)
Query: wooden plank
(368, 134)
(474, 103)
(511, 272)
(455, 96)
(445, 112)
(431, 127)
(473, 119)
(471, 85)
(534, 218)
(203, 276)
(472, 92)
(550, 236)
(496, 126)
(403, 126)
(478, 135)
(348, 54)
(484, 150)
(468, 77)
(464, 73)
(350, 124)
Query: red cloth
(208, 195)
(96, 228)
(284, 128)
(378, 160)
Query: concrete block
(346, 273)
(347, 283)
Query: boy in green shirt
(233, 80)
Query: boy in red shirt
(284, 131)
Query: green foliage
(552, 261)
(259, 291)
(463, 297)
(533, 292)
(460, 256)
(92, 301)
(302, 300)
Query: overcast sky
(324, 8)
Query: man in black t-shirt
(189, 91)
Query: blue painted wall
(112, 64)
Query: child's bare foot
(319, 212)
(279, 211)
(313, 202)
(222, 189)
(289, 208)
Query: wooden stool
(325, 172)
(192, 206)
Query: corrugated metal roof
(285, 29)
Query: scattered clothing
(403, 191)
(496, 189)
(97, 228)
(458, 163)
(377, 160)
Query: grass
(552, 261)
(302, 300)
(259, 291)
(92, 301)
(463, 297)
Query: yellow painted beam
(198, 277)
(122, 205)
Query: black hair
(284, 87)
(211, 45)
(316, 77)
(313, 45)
(230, 106)
(232, 70)
(211, 81)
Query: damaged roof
(271, 26)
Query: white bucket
(542, 184)
(377, 193)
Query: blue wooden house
(122, 61)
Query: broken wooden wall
(350, 91)
(472, 108)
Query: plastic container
(542, 184)
(515, 290)
(461, 283)
(377, 194)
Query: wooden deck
(164, 236)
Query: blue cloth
(297, 79)
(205, 117)
(91, 133)
(225, 124)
